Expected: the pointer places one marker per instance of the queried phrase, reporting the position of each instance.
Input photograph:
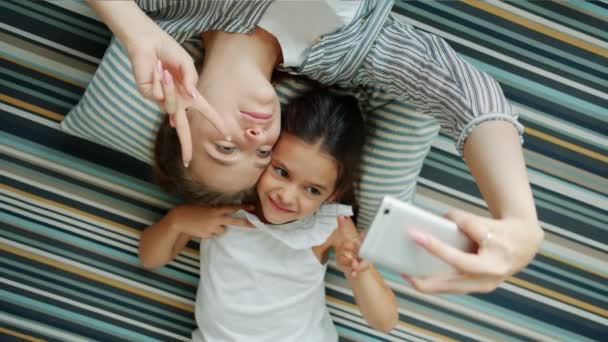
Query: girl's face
(298, 180)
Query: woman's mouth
(258, 115)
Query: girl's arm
(375, 299)
(162, 242)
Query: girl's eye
(264, 153)
(313, 191)
(279, 171)
(225, 149)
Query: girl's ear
(334, 197)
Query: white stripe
(510, 60)
(58, 69)
(474, 311)
(32, 117)
(575, 257)
(79, 7)
(92, 309)
(551, 24)
(61, 221)
(578, 132)
(481, 203)
(73, 196)
(44, 41)
(361, 325)
(190, 266)
(97, 271)
(115, 187)
(555, 303)
(40, 328)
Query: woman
(382, 53)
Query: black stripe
(544, 312)
(562, 290)
(79, 183)
(84, 329)
(75, 146)
(577, 16)
(403, 318)
(568, 12)
(10, 338)
(490, 18)
(70, 203)
(53, 33)
(561, 276)
(121, 310)
(73, 278)
(74, 90)
(92, 258)
(571, 269)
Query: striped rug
(71, 210)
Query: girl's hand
(347, 248)
(165, 73)
(505, 246)
(205, 221)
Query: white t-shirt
(265, 283)
(297, 25)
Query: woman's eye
(313, 191)
(279, 171)
(225, 149)
(264, 153)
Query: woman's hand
(151, 50)
(505, 246)
(165, 73)
(205, 221)
(347, 248)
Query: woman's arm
(162, 242)
(494, 155)
(373, 297)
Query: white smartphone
(388, 243)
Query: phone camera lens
(386, 211)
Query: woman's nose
(254, 133)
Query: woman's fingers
(464, 262)
(457, 284)
(473, 226)
(220, 123)
(158, 94)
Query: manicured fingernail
(167, 79)
(159, 66)
(406, 277)
(186, 163)
(420, 238)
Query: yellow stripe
(187, 250)
(70, 209)
(96, 277)
(570, 263)
(565, 144)
(406, 326)
(31, 107)
(44, 72)
(559, 296)
(19, 335)
(538, 27)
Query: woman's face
(250, 106)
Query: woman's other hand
(505, 246)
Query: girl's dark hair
(336, 122)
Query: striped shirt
(410, 83)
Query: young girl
(262, 276)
